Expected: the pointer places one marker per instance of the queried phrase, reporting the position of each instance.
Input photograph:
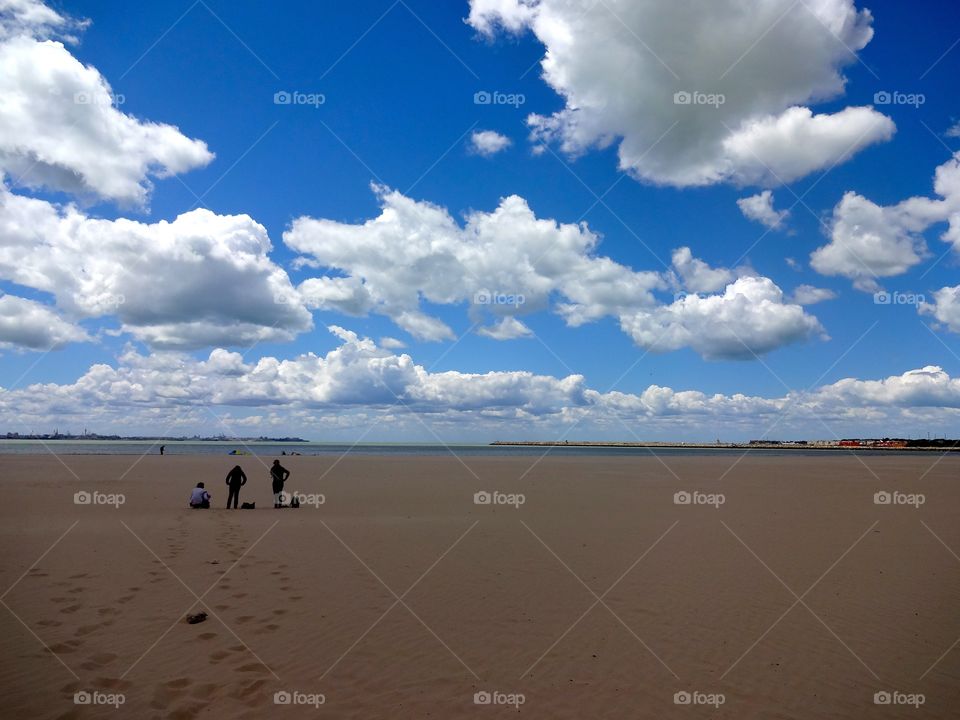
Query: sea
(190, 447)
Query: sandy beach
(585, 588)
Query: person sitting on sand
(236, 479)
(199, 498)
(279, 475)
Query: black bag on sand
(294, 502)
(248, 506)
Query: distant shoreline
(718, 446)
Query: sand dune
(598, 596)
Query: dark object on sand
(248, 506)
(196, 618)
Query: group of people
(236, 479)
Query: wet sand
(797, 596)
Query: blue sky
(398, 82)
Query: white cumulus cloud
(870, 241)
(202, 279)
(509, 263)
(29, 324)
(60, 126)
(698, 93)
(759, 208)
(945, 307)
(488, 142)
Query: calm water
(96, 447)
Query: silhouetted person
(279, 475)
(162, 448)
(235, 480)
(199, 498)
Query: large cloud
(509, 262)
(29, 324)
(744, 71)
(363, 381)
(870, 241)
(203, 279)
(59, 125)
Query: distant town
(845, 444)
(56, 435)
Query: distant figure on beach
(162, 448)
(279, 475)
(236, 479)
(199, 498)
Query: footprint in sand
(49, 623)
(177, 684)
(85, 630)
(98, 661)
(239, 596)
(71, 609)
(221, 607)
(251, 667)
(217, 656)
(207, 636)
(244, 618)
(280, 612)
(78, 576)
(125, 599)
(65, 648)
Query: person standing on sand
(279, 475)
(162, 448)
(236, 479)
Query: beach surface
(586, 587)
